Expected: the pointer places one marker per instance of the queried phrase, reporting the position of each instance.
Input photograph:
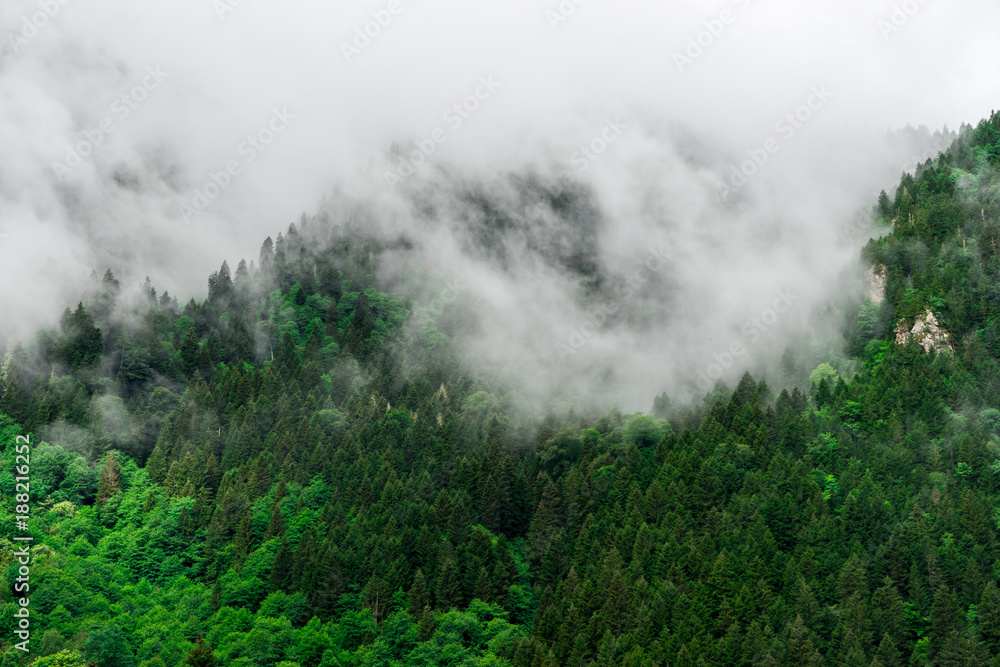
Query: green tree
(419, 597)
(66, 658)
(83, 343)
(800, 651)
(110, 481)
(201, 655)
(108, 647)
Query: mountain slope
(300, 469)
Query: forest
(299, 471)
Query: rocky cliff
(875, 282)
(926, 331)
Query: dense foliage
(298, 472)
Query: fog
(115, 115)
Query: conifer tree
(201, 655)
(110, 481)
(419, 597)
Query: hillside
(300, 470)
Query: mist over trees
(302, 469)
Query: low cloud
(525, 158)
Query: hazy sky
(694, 86)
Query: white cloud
(122, 207)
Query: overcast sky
(183, 84)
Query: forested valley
(299, 471)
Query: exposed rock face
(926, 331)
(875, 282)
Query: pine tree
(887, 654)
(972, 651)
(110, 481)
(800, 651)
(201, 655)
(823, 396)
(149, 504)
(944, 618)
(110, 283)
(989, 617)
(242, 273)
(493, 503)
(851, 653)
(427, 624)
(419, 597)
(266, 258)
(281, 572)
(884, 206)
(305, 557)
(950, 653)
(190, 352)
(328, 582)
(887, 611)
(377, 597)
(616, 605)
(84, 344)
(721, 577)
(276, 528)
(483, 589)
(448, 589)
(244, 538)
(544, 521)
